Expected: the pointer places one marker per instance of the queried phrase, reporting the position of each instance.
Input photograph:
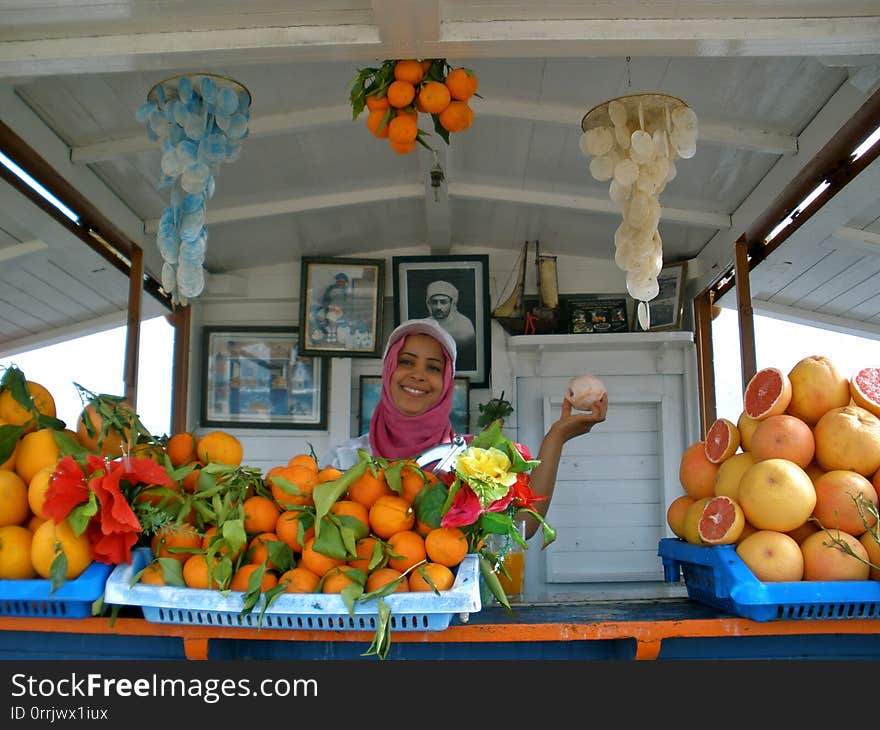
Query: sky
(96, 362)
(781, 345)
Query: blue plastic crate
(718, 577)
(73, 599)
(311, 611)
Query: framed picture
(454, 290)
(255, 377)
(597, 313)
(667, 307)
(371, 390)
(340, 313)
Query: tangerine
(446, 545)
(409, 70)
(299, 580)
(434, 97)
(441, 577)
(220, 447)
(462, 84)
(390, 514)
(401, 94)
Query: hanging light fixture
(634, 141)
(199, 120)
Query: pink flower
(464, 510)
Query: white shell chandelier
(200, 121)
(633, 142)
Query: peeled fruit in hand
(848, 438)
(583, 392)
(721, 521)
(776, 494)
(816, 387)
(722, 440)
(772, 556)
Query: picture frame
(340, 313)
(597, 313)
(458, 287)
(371, 389)
(667, 307)
(256, 377)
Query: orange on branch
(390, 514)
(434, 97)
(410, 70)
(462, 84)
(299, 580)
(440, 575)
(446, 545)
(401, 94)
(377, 124)
(220, 447)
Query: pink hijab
(395, 435)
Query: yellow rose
(487, 472)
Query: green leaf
(497, 523)
(350, 594)
(280, 555)
(58, 570)
(68, 446)
(382, 637)
(254, 590)
(234, 533)
(330, 542)
(172, 572)
(326, 493)
(9, 437)
(440, 129)
(429, 503)
(493, 583)
(80, 516)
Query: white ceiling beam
(458, 190)
(63, 334)
(26, 248)
(304, 204)
(405, 21)
(846, 237)
(710, 130)
(810, 318)
(579, 202)
(556, 38)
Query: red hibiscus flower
(464, 510)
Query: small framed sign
(597, 313)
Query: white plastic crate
(310, 611)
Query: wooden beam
(407, 21)
(133, 330)
(746, 319)
(180, 319)
(705, 370)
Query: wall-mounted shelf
(593, 342)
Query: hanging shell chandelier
(200, 121)
(634, 141)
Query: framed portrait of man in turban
(454, 291)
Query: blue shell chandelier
(200, 121)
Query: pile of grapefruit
(395, 93)
(794, 483)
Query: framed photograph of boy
(340, 313)
(454, 291)
(255, 377)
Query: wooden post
(744, 304)
(705, 371)
(133, 332)
(180, 318)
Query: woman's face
(417, 381)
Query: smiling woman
(96, 363)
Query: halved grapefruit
(768, 393)
(721, 522)
(864, 387)
(722, 440)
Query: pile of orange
(390, 545)
(398, 91)
(29, 542)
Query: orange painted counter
(667, 629)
